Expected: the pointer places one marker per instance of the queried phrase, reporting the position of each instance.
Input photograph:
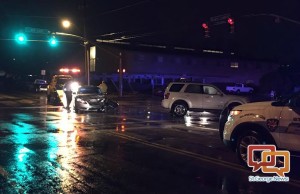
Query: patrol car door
(212, 98)
(290, 120)
(193, 93)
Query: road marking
(237, 167)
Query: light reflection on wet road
(138, 149)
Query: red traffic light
(205, 26)
(230, 21)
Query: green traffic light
(53, 41)
(21, 38)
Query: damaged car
(90, 98)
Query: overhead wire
(124, 7)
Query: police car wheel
(248, 138)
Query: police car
(55, 88)
(55, 94)
(273, 122)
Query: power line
(273, 15)
(122, 8)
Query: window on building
(160, 59)
(141, 57)
(234, 65)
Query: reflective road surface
(140, 148)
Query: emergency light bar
(66, 70)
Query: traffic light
(53, 41)
(206, 30)
(21, 38)
(231, 25)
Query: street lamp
(67, 24)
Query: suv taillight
(167, 95)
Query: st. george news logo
(268, 159)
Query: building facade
(159, 68)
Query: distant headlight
(74, 87)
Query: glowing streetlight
(66, 23)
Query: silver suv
(180, 97)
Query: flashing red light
(205, 26)
(75, 70)
(66, 70)
(230, 21)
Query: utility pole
(120, 76)
(86, 46)
(87, 62)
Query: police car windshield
(89, 90)
(62, 80)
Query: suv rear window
(176, 87)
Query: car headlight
(233, 113)
(75, 86)
(81, 100)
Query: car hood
(89, 96)
(254, 106)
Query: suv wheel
(179, 109)
(248, 138)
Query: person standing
(103, 87)
(68, 93)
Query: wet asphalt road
(139, 148)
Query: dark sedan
(90, 98)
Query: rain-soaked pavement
(139, 148)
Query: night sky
(267, 30)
